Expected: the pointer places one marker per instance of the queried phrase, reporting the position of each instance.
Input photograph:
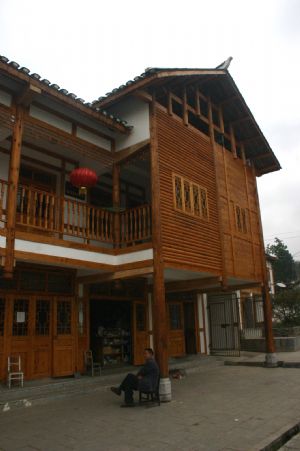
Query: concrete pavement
(216, 408)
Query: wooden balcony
(43, 212)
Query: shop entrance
(189, 313)
(111, 331)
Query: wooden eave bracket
(28, 95)
(194, 284)
(130, 150)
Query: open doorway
(111, 331)
(189, 312)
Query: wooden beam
(185, 110)
(13, 180)
(194, 284)
(232, 142)
(116, 199)
(129, 151)
(143, 95)
(28, 95)
(219, 206)
(127, 274)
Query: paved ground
(215, 408)
(293, 444)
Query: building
(155, 252)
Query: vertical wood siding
(193, 242)
(187, 240)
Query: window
(63, 317)
(20, 319)
(190, 197)
(175, 316)
(241, 219)
(42, 318)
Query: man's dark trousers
(129, 384)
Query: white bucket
(165, 391)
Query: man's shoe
(128, 404)
(116, 391)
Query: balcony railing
(59, 216)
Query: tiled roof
(67, 94)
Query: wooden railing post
(13, 179)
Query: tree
(284, 265)
(286, 308)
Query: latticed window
(2, 316)
(196, 200)
(241, 219)
(178, 193)
(189, 197)
(175, 316)
(63, 317)
(42, 317)
(20, 319)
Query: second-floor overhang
(215, 84)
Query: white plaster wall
(136, 113)
(4, 165)
(78, 254)
(203, 322)
(92, 138)
(5, 98)
(51, 119)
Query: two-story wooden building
(154, 253)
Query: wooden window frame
(200, 212)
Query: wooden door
(42, 337)
(63, 337)
(141, 339)
(20, 324)
(176, 331)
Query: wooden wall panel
(187, 240)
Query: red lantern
(83, 178)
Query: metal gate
(224, 324)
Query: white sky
(90, 47)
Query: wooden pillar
(219, 206)
(267, 302)
(232, 142)
(13, 180)
(159, 304)
(62, 199)
(116, 198)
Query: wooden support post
(219, 206)
(271, 359)
(198, 108)
(232, 142)
(170, 109)
(243, 153)
(159, 303)
(116, 202)
(13, 180)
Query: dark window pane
(63, 317)
(32, 281)
(42, 317)
(60, 283)
(20, 319)
(175, 316)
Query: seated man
(145, 380)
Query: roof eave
(73, 103)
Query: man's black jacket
(150, 375)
